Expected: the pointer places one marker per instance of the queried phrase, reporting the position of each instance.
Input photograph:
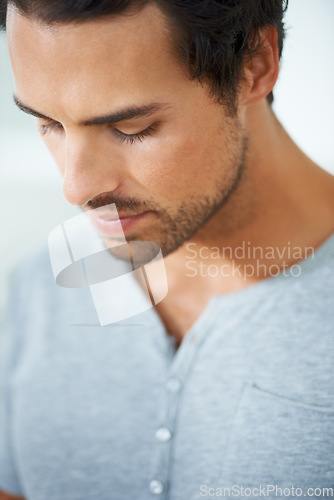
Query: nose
(90, 169)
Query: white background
(31, 202)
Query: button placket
(178, 368)
(164, 433)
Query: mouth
(108, 224)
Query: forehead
(114, 57)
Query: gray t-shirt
(116, 412)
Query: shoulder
(31, 275)
(35, 297)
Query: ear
(261, 70)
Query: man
(225, 387)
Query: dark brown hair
(212, 37)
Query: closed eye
(132, 138)
(46, 128)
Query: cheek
(182, 163)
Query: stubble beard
(172, 230)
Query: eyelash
(50, 127)
(132, 138)
(128, 138)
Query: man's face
(175, 165)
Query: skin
(244, 171)
(204, 176)
(189, 141)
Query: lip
(108, 226)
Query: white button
(156, 487)
(173, 385)
(163, 434)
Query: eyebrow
(121, 115)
